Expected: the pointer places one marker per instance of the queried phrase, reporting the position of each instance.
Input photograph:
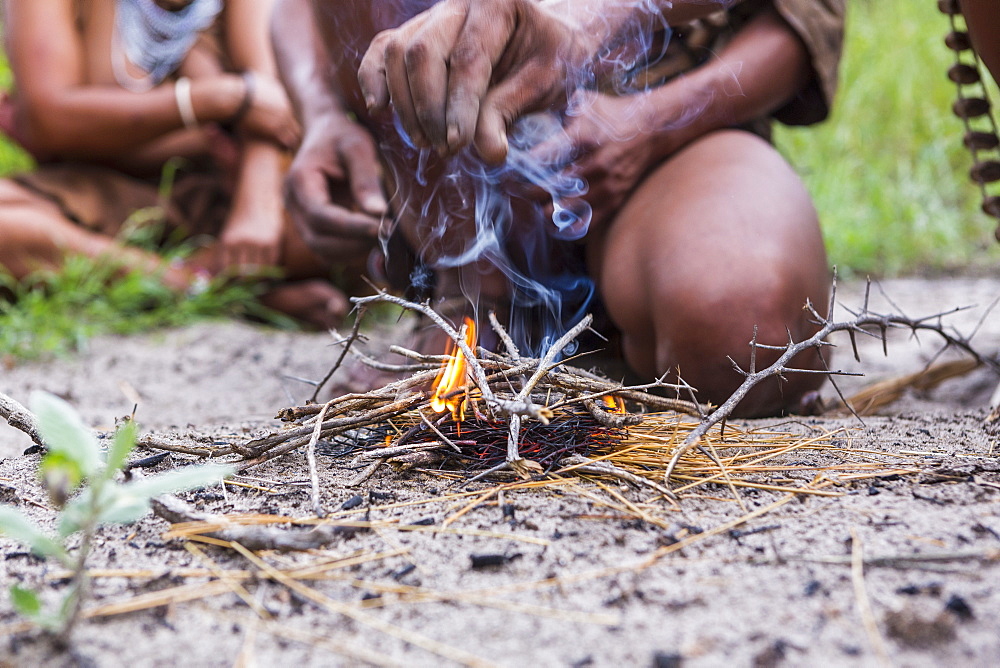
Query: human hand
(270, 115)
(465, 70)
(336, 155)
(611, 143)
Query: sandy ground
(580, 587)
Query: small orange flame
(614, 404)
(452, 376)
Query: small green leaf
(121, 446)
(15, 525)
(72, 517)
(124, 508)
(64, 432)
(126, 503)
(26, 602)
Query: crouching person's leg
(718, 241)
(37, 235)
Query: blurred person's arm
(59, 114)
(336, 150)
(251, 237)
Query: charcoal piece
(959, 607)
(492, 560)
(147, 462)
(353, 502)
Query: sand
(582, 582)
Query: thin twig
(583, 464)
(343, 353)
(176, 511)
(311, 458)
(864, 604)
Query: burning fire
(614, 404)
(452, 376)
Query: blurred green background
(887, 171)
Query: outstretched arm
(464, 71)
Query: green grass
(53, 313)
(888, 171)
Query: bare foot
(313, 302)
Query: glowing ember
(452, 376)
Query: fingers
(408, 66)
(436, 68)
(526, 91)
(364, 175)
(371, 73)
(477, 49)
(323, 223)
(426, 60)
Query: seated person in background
(106, 93)
(694, 232)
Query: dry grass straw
(743, 458)
(864, 603)
(766, 459)
(884, 393)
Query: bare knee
(709, 336)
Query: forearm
(148, 159)
(247, 35)
(303, 62)
(258, 186)
(606, 22)
(106, 122)
(763, 68)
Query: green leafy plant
(55, 312)
(81, 481)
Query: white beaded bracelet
(182, 94)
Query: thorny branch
(863, 321)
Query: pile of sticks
(506, 390)
(540, 400)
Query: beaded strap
(974, 109)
